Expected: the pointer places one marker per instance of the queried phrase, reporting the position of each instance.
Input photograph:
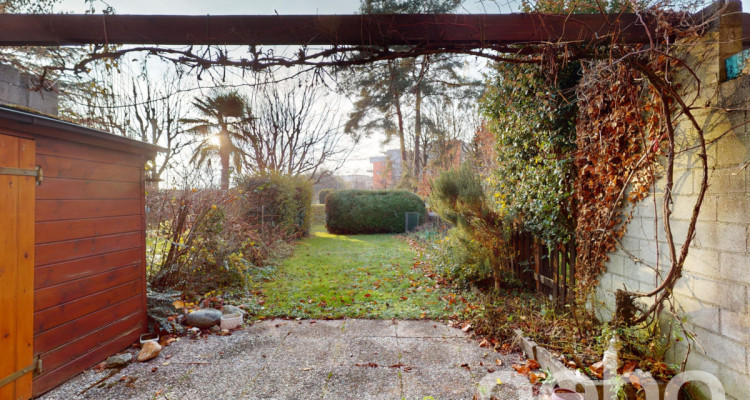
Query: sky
(219, 7)
(359, 160)
(216, 7)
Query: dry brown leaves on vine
(619, 134)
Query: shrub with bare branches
(200, 240)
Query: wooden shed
(72, 249)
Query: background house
(386, 169)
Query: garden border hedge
(371, 211)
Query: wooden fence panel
(546, 269)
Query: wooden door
(17, 156)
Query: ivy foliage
(532, 116)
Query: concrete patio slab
(363, 383)
(383, 351)
(289, 359)
(369, 327)
(427, 329)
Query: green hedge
(323, 194)
(366, 211)
(282, 201)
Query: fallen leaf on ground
(466, 327)
(536, 377)
(597, 369)
(466, 366)
(526, 368)
(307, 369)
(521, 369)
(400, 365)
(498, 362)
(370, 365)
(629, 367)
(178, 304)
(484, 343)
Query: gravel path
(313, 359)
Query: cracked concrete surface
(314, 359)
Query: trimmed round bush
(368, 211)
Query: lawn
(363, 276)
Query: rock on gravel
(119, 360)
(149, 350)
(230, 309)
(203, 318)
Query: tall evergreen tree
(389, 92)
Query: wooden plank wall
(89, 298)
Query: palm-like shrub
(221, 113)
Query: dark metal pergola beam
(381, 30)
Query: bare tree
(295, 131)
(45, 64)
(139, 107)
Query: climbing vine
(620, 132)
(627, 105)
(631, 104)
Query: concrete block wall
(714, 292)
(15, 90)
